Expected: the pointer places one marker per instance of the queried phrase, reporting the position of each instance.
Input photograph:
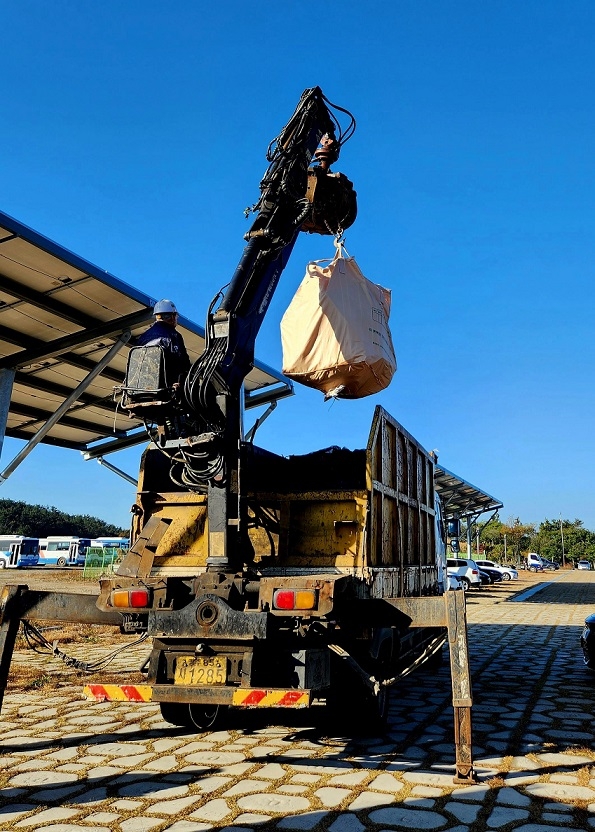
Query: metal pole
(6, 381)
(562, 535)
(469, 537)
(117, 471)
(505, 555)
(55, 417)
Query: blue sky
(134, 134)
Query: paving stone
(13, 811)
(173, 807)
(126, 805)
(42, 778)
(214, 810)
(354, 778)
(139, 824)
(189, 826)
(92, 796)
(346, 823)
(117, 749)
(214, 758)
(244, 787)
(369, 800)
(426, 791)
(249, 818)
(409, 818)
(510, 797)
(465, 812)
(303, 822)
(560, 791)
(48, 816)
(331, 797)
(277, 803)
(212, 783)
(103, 817)
(504, 815)
(271, 771)
(169, 763)
(386, 783)
(303, 778)
(565, 759)
(473, 793)
(428, 778)
(152, 788)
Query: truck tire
(205, 717)
(61, 562)
(175, 713)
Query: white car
(583, 564)
(466, 570)
(454, 582)
(507, 572)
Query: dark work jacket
(162, 334)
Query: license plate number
(203, 670)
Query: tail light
(294, 599)
(127, 598)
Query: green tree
(17, 517)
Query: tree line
(40, 521)
(556, 540)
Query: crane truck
(266, 580)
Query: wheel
(466, 584)
(61, 562)
(175, 713)
(205, 717)
(2, 564)
(505, 576)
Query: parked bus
(17, 550)
(111, 542)
(63, 550)
(112, 548)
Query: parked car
(550, 564)
(588, 641)
(455, 582)
(507, 572)
(494, 575)
(466, 569)
(583, 564)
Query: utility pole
(562, 536)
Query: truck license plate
(202, 670)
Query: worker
(163, 333)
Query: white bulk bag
(335, 333)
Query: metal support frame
(55, 417)
(6, 381)
(117, 471)
(19, 602)
(448, 611)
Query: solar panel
(60, 316)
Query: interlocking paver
(70, 765)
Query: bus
(17, 550)
(113, 548)
(63, 550)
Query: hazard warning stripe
(118, 693)
(255, 698)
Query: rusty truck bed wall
(367, 512)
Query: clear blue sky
(134, 134)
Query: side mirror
(453, 527)
(455, 546)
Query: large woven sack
(335, 333)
